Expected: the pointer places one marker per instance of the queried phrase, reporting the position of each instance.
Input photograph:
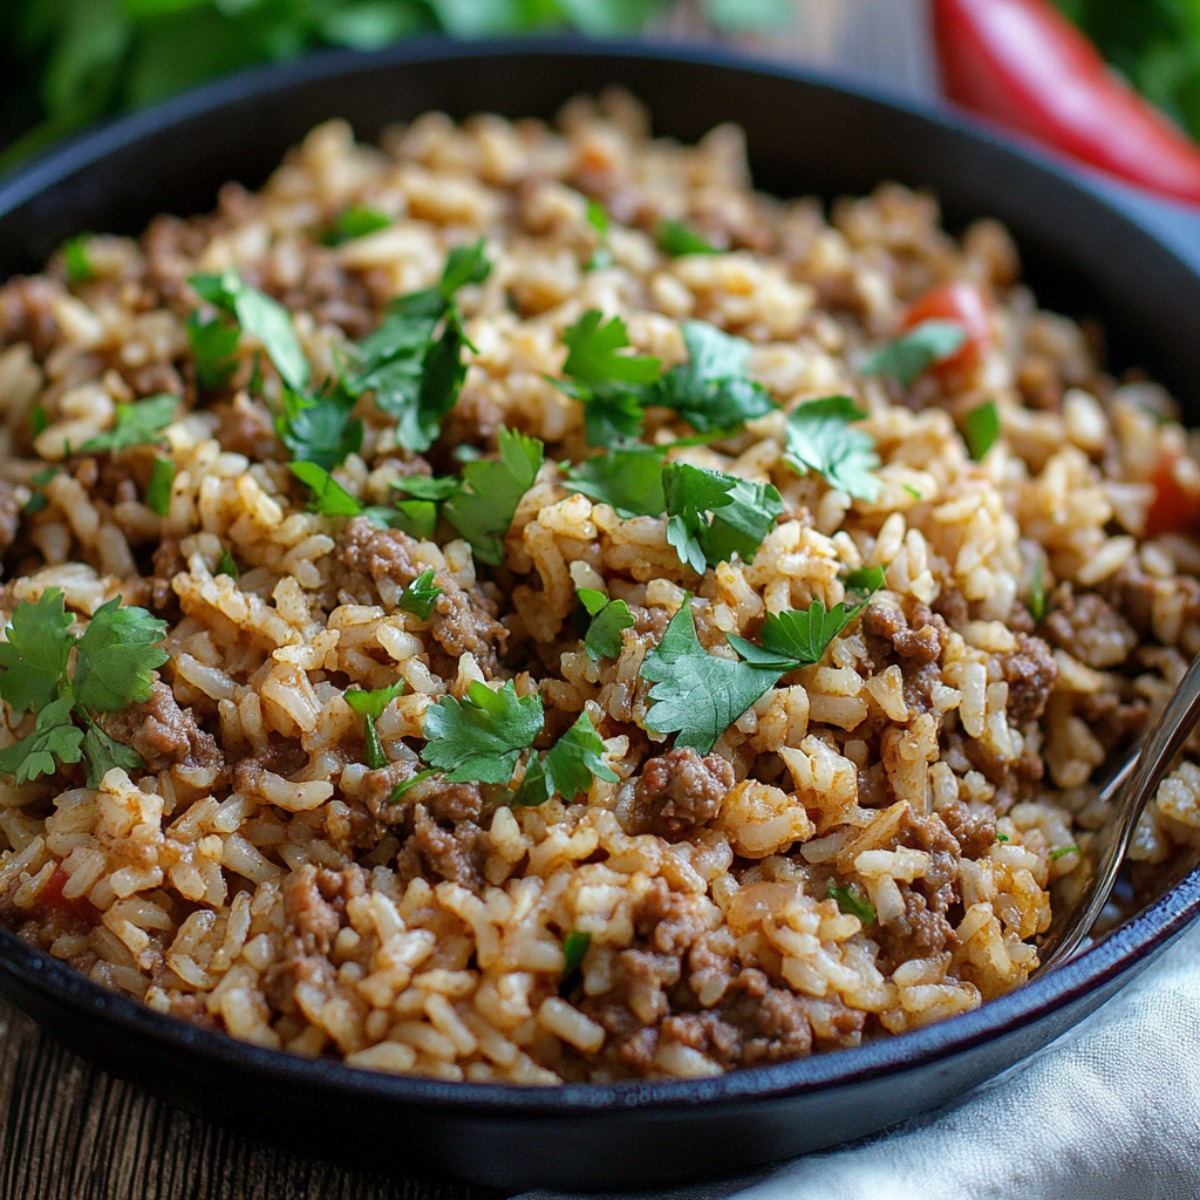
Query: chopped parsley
(39, 419)
(597, 218)
(567, 768)
(319, 428)
(909, 356)
(329, 497)
(141, 423)
(38, 500)
(158, 490)
(227, 565)
(370, 706)
(214, 344)
(981, 429)
(820, 438)
(114, 661)
(865, 581)
(75, 259)
(483, 511)
(354, 221)
(696, 694)
(1002, 838)
(678, 238)
(480, 737)
(712, 391)
(1063, 850)
(849, 903)
(608, 383)
(420, 596)
(609, 618)
(260, 316)
(413, 363)
(575, 946)
(742, 513)
(407, 784)
(628, 479)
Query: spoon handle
(1129, 791)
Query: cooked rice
(255, 879)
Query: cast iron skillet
(804, 136)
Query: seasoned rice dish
(517, 604)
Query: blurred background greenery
(67, 63)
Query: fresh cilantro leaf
(138, 424)
(742, 513)
(407, 784)
(697, 694)
(597, 218)
(417, 518)
(740, 526)
(712, 391)
(370, 706)
(610, 385)
(261, 317)
(593, 354)
(38, 500)
(849, 903)
(415, 372)
(227, 565)
(354, 221)
(39, 419)
(690, 492)
(677, 238)
(158, 490)
(75, 259)
(628, 479)
(101, 753)
(981, 428)
(55, 739)
(865, 581)
(609, 618)
(1038, 606)
(819, 438)
(213, 344)
(1055, 855)
(329, 497)
(33, 661)
(484, 512)
(429, 487)
(804, 634)
(420, 596)
(575, 946)
(576, 759)
(913, 353)
(320, 428)
(1002, 838)
(568, 768)
(119, 650)
(480, 737)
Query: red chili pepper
(1025, 65)
(965, 303)
(1175, 508)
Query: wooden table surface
(69, 1131)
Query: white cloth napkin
(1110, 1111)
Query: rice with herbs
(545, 752)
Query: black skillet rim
(1119, 953)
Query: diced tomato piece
(51, 896)
(965, 303)
(1175, 508)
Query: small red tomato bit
(966, 304)
(51, 897)
(1175, 507)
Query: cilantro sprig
(420, 596)
(820, 438)
(263, 318)
(608, 619)
(629, 479)
(413, 363)
(849, 902)
(981, 429)
(678, 238)
(141, 423)
(567, 768)
(370, 706)
(319, 428)
(113, 665)
(354, 221)
(741, 515)
(909, 356)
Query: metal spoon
(1128, 792)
